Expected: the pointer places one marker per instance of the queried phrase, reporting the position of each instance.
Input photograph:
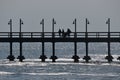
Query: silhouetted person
(63, 33)
(59, 32)
(68, 32)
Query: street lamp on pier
(20, 57)
(53, 57)
(75, 57)
(87, 58)
(43, 56)
(10, 57)
(109, 57)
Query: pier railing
(88, 37)
(57, 35)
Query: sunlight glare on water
(64, 68)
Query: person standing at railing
(59, 32)
(68, 32)
(63, 32)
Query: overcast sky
(64, 12)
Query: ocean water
(64, 68)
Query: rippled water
(64, 68)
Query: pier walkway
(55, 37)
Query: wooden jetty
(54, 37)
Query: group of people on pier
(64, 34)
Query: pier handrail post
(43, 56)
(75, 57)
(86, 58)
(11, 56)
(20, 57)
(109, 57)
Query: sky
(63, 11)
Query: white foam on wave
(100, 75)
(67, 73)
(53, 74)
(60, 61)
(5, 73)
(27, 62)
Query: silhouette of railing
(56, 35)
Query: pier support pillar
(75, 57)
(21, 57)
(87, 58)
(43, 56)
(109, 57)
(11, 56)
(53, 57)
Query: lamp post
(10, 57)
(53, 23)
(87, 22)
(109, 57)
(53, 57)
(43, 56)
(87, 58)
(75, 23)
(10, 23)
(75, 57)
(21, 23)
(20, 57)
(42, 23)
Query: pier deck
(81, 37)
(74, 37)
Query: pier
(55, 37)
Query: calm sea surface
(64, 68)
